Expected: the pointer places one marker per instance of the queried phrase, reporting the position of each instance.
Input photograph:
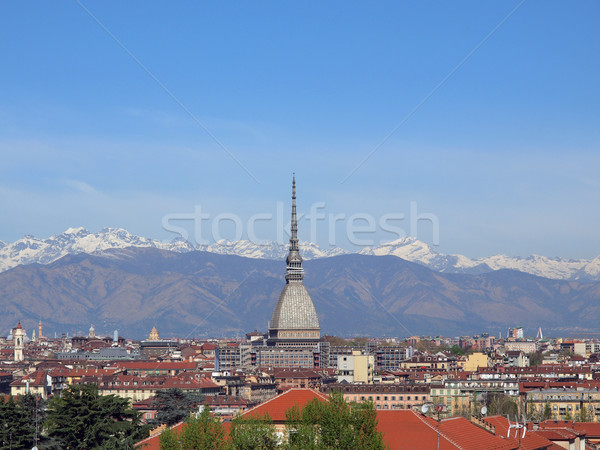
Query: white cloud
(80, 186)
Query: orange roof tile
(557, 434)
(37, 378)
(277, 406)
(591, 429)
(154, 365)
(409, 429)
(153, 442)
(532, 440)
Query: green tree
(532, 412)
(583, 415)
(82, 419)
(203, 432)
(200, 432)
(174, 405)
(547, 414)
(456, 350)
(253, 433)
(335, 424)
(35, 408)
(302, 430)
(169, 440)
(16, 430)
(536, 358)
(501, 404)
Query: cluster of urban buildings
(425, 389)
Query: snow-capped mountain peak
(268, 250)
(30, 249)
(411, 249)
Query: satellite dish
(424, 409)
(483, 410)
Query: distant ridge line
(30, 249)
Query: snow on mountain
(411, 249)
(30, 249)
(268, 250)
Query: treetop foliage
(319, 425)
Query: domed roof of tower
(294, 309)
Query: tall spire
(294, 271)
(294, 227)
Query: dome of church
(294, 309)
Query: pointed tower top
(154, 336)
(19, 325)
(294, 271)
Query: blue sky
(504, 153)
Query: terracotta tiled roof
(591, 429)
(144, 404)
(532, 440)
(65, 372)
(37, 378)
(407, 429)
(209, 346)
(189, 383)
(470, 436)
(155, 365)
(277, 406)
(401, 429)
(153, 442)
(558, 434)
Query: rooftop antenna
(516, 426)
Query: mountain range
(30, 250)
(117, 280)
(201, 294)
